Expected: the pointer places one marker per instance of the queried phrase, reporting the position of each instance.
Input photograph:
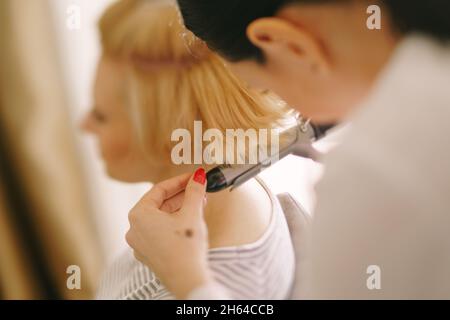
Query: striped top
(260, 270)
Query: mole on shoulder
(188, 233)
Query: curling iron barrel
(296, 140)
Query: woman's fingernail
(200, 176)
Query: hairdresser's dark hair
(222, 24)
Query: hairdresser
(384, 200)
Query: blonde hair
(174, 79)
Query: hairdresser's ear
(281, 41)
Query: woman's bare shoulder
(238, 217)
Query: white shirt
(384, 200)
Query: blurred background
(57, 206)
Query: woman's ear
(280, 40)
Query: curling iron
(296, 141)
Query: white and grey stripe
(260, 270)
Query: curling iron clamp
(296, 140)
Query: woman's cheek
(114, 149)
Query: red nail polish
(200, 176)
(264, 38)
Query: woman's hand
(168, 232)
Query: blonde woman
(154, 77)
